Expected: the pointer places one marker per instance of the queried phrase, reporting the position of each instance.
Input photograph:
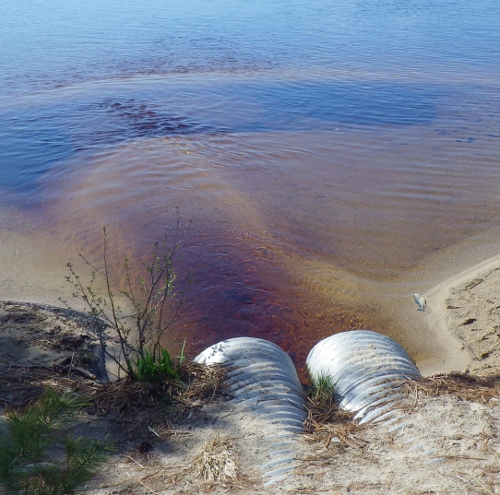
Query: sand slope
(449, 445)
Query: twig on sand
(151, 429)
(71, 364)
(133, 460)
(147, 487)
(481, 485)
(76, 369)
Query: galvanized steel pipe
(366, 370)
(264, 382)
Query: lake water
(333, 157)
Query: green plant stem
(148, 321)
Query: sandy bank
(466, 309)
(459, 327)
(449, 443)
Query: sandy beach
(466, 308)
(449, 445)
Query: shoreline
(444, 316)
(465, 308)
(448, 433)
(446, 344)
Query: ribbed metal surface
(264, 383)
(367, 370)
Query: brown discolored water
(318, 187)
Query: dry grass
(203, 384)
(218, 461)
(323, 416)
(199, 385)
(21, 386)
(134, 410)
(326, 422)
(464, 386)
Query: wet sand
(33, 270)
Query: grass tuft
(325, 420)
(218, 461)
(322, 393)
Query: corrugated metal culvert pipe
(264, 382)
(366, 370)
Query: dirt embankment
(449, 444)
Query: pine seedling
(28, 464)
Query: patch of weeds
(147, 369)
(322, 393)
(39, 457)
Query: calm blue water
(45, 44)
(38, 135)
(319, 147)
(393, 47)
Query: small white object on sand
(422, 303)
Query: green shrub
(139, 330)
